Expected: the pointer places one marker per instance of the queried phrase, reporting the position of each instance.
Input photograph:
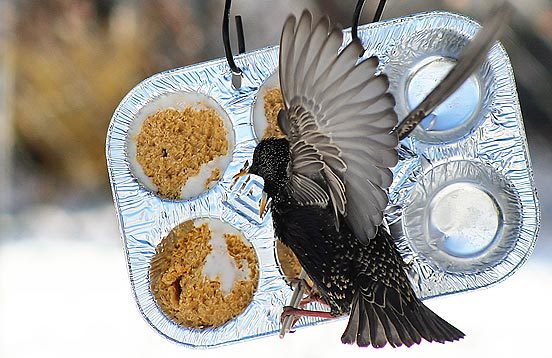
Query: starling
(327, 182)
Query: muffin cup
(170, 137)
(204, 274)
(268, 102)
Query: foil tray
(482, 155)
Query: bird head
(271, 161)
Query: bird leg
(310, 292)
(303, 282)
(297, 313)
(313, 297)
(298, 301)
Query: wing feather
(380, 120)
(324, 60)
(317, 39)
(307, 191)
(286, 47)
(302, 40)
(338, 115)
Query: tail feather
(389, 329)
(377, 334)
(421, 325)
(363, 332)
(352, 327)
(402, 333)
(376, 325)
(440, 330)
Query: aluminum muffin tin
(463, 207)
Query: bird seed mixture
(288, 261)
(182, 290)
(291, 268)
(273, 103)
(173, 145)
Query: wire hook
(236, 71)
(241, 37)
(356, 16)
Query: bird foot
(297, 313)
(308, 289)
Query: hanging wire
(226, 38)
(356, 19)
(379, 11)
(241, 37)
(358, 10)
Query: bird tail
(376, 324)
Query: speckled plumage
(367, 281)
(328, 178)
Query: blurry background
(64, 67)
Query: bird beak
(263, 204)
(243, 171)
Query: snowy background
(64, 287)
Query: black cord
(356, 16)
(356, 19)
(379, 11)
(241, 37)
(226, 38)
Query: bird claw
(310, 292)
(289, 311)
(297, 313)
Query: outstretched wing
(338, 120)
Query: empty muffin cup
(463, 217)
(418, 65)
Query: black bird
(327, 181)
